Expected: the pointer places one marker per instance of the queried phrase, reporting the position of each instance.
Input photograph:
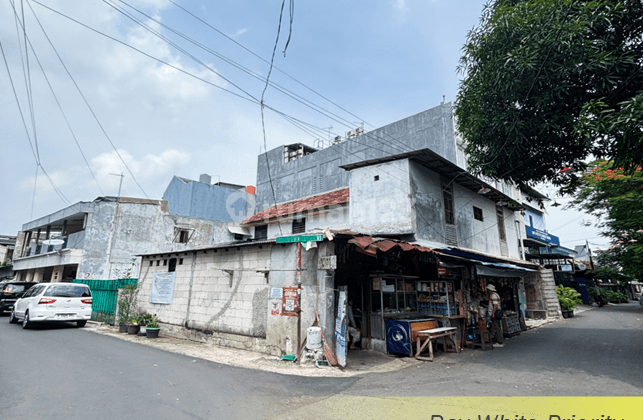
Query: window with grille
(449, 213)
(172, 266)
(477, 213)
(501, 223)
(261, 232)
(299, 225)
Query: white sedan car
(53, 302)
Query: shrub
(568, 297)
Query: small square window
(182, 236)
(299, 225)
(376, 178)
(261, 232)
(151, 263)
(180, 261)
(477, 213)
(158, 262)
(164, 262)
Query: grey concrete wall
(197, 199)
(382, 205)
(319, 172)
(208, 300)
(473, 234)
(334, 218)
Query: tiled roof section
(370, 245)
(299, 206)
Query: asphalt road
(599, 352)
(61, 372)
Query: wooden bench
(429, 336)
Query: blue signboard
(542, 236)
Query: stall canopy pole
(299, 300)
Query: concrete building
(220, 201)
(7, 245)
(389, 211)
(100, 239)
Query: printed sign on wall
(162, 288)
(290, 302)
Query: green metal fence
(104, 297)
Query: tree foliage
(616, 197)
(551, 84)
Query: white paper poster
(162, 288)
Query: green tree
(551, 84)
(616, 197)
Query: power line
(84, 99)
(64, 115)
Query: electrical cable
(84, 98)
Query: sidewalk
(360, 362)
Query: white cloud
(239, 32)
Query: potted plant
(152, 327)
(133, 326)
(568, 299)
(125, 300)
(143, 320)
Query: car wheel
(81, 324)
(25, 321)
(12, 317)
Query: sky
(108, 96)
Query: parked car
(53, 302)
(10, 291)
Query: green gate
(104, 297)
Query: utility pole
(299, 302)
(120, 183)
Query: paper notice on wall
(162, 288)
(276, 292)
(290, 301)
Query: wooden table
(429, 336)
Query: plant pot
(568, 313)
(122, 327)
(152, 332)
(133, 329)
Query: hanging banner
(162, 288)
(340, 328)
(290, 302)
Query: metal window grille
(261, 232)
(299, 225)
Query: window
(158, 262)
(501, 223)
(447, 196)
(172, 266)
(531, 221)
(68, 291)
(180, 261)
(477, 213)
(151, 263)
(299, 225)
(376, 178)
(261, 232)
(164, 262)
(182, 236)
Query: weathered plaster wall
(471, 233)
(381, 199)
(333, 218)
(117, 232)
(319, 172)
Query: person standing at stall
(494, 306)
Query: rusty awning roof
(370, 245)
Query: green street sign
(301, 238)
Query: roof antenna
(443, 98)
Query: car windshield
(13, 288)
(68, 291)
